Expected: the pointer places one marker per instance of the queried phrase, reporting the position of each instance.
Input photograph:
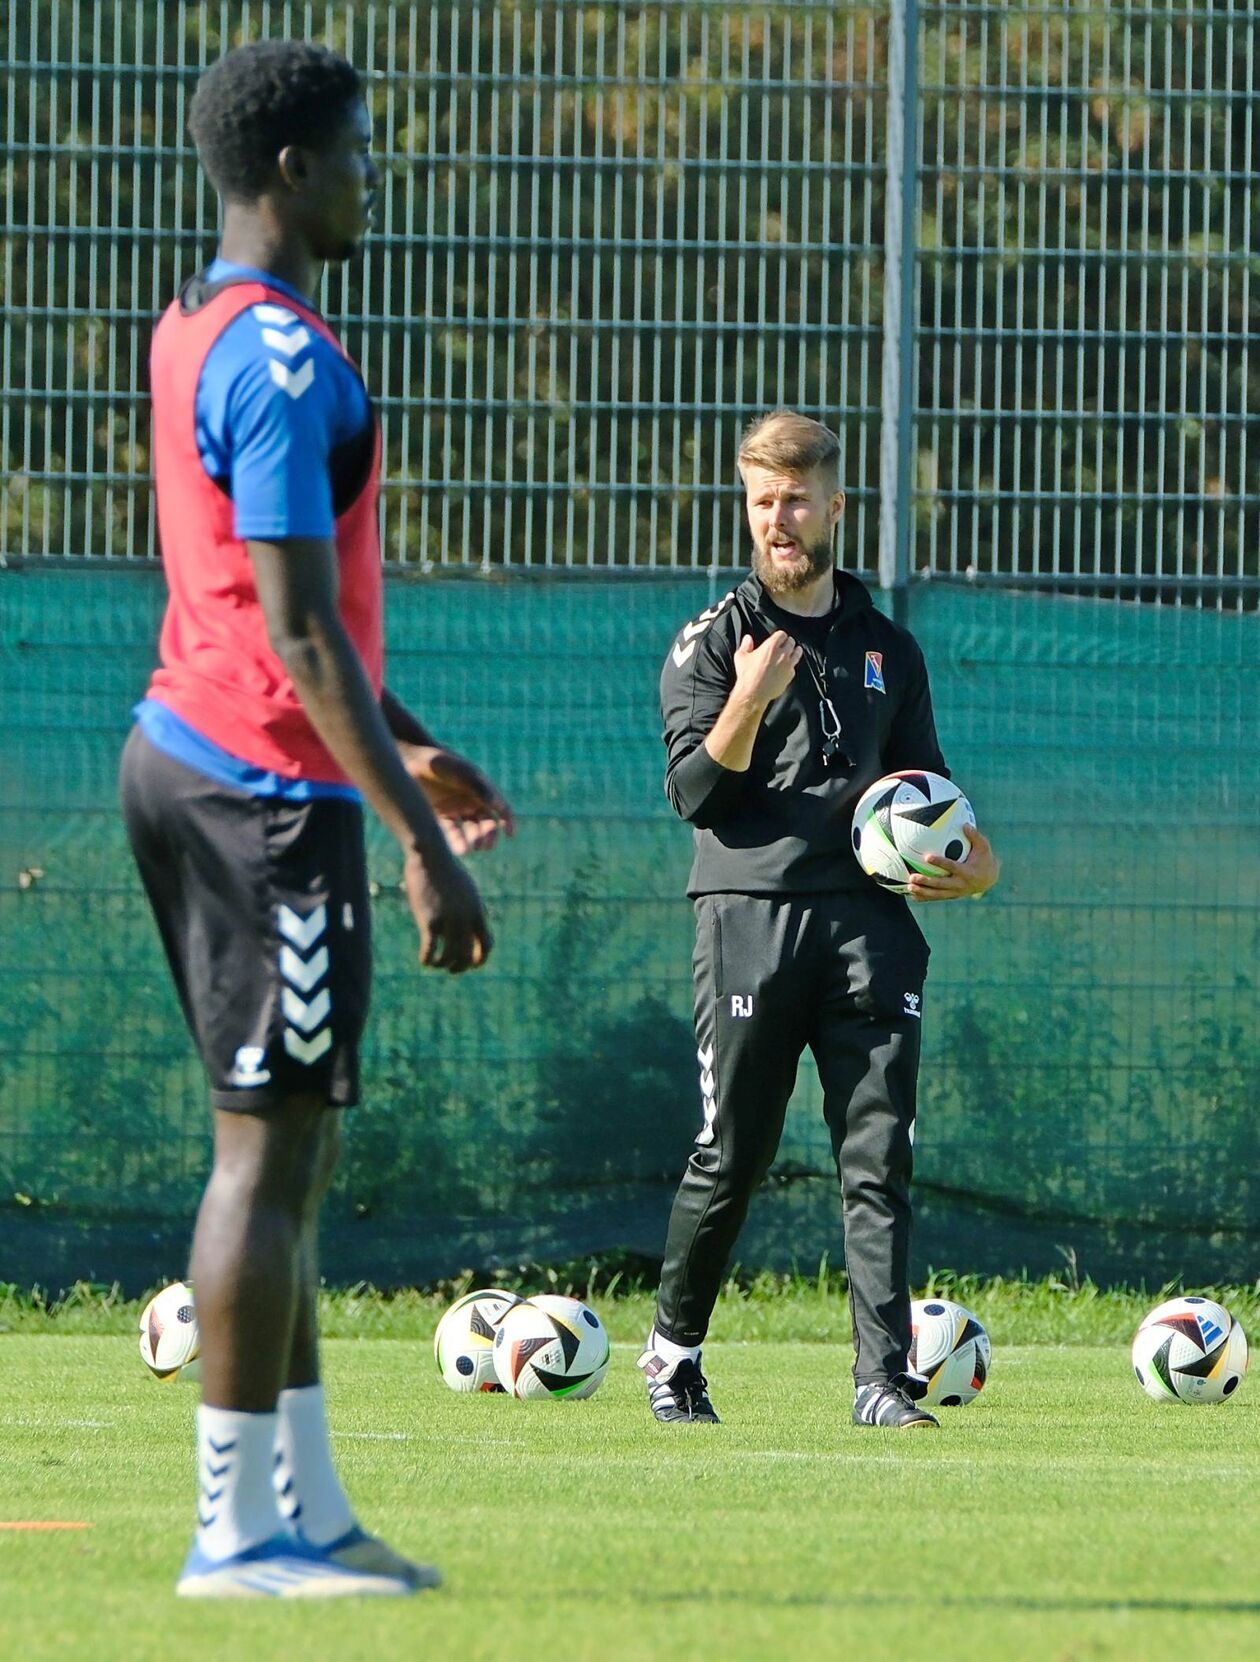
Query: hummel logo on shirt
(686, 643)
(285, 335)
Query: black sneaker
(889, 1403)
(677, 1391)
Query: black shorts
(263, 910)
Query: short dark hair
(259, 98)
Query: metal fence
(609, 233)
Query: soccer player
(782, 704)
(264, 728)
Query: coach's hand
(764, 672)
(454, 934)
(958, 879)
(470, 810)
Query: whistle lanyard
(832, 752)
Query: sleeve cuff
(700, 783)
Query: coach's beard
(812, 561)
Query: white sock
(672, 1352)
(308, 1490)
(237, 1506)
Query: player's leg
(866, 1044)
(310, 1495)
(244, 1271)
(309, 1492)
(750, 1029)
(209, 857)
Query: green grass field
(1061, 1516)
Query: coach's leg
(750, 1031)
(866, 1045)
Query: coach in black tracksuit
(782, 703)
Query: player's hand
(454, 934)
(763, 672)
(469, 809)
(957, 879)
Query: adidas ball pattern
(551, 1346)
(1190, 1350)
(169, 1340)
(463, 1344)
(904, 817)
(949, 1356)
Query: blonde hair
(790, 443)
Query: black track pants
(842, 974)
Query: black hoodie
(785, 826)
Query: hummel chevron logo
(222, 1448)
(306, 1016)
(303, 932)
(307, 1050)
(289, 344)
(275, 314)
(294, 382)
(218, 1471)
(691, 630)
(300, 975)
(708, 1090)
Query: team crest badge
(875, 672)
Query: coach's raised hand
(762, 674)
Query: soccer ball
(902, 818)
(551, 1346)
(1190, 1350)
(950, 1353)
(463, 1344)
(169, 1340)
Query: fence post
(897, 389)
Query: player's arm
(297, 580)
(470, 810)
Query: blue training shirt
(273, 402)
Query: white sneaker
(357, 1550)
(281, 1568)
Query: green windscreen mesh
(1092, 1051)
